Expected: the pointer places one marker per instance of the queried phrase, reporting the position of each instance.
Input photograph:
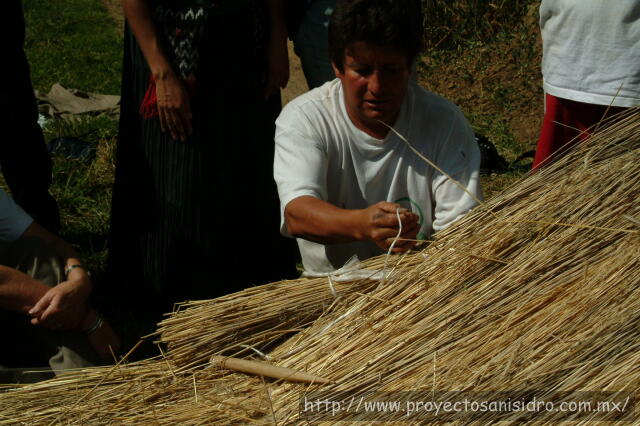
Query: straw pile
(538, 289)
(254, 318)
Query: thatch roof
(536, 291)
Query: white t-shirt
(319, 152)
(13, 220)
(590, 49)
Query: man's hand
(316, 220)
(379, 224)
(63, 306)
(174, 106)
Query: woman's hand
(102, 337)
(105, 342)
(174, 107)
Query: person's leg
(566, 123)
(311, 43)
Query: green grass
(73, 42)
(451, 23)
(83, 189)
(485, 57)
(76, 43)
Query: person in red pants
(590, 68)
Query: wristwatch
(69, 268)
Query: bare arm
(139, 19)
(63, 305)
(316, 220)
(18, 291)
(174, 107)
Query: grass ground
(77, 43)
(485, 58)
(74, 43)
(487, 61)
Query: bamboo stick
(263, 369)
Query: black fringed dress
(199, 219)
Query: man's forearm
(18, 291)
(316, 220)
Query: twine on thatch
(538, 288)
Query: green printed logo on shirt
(408, 203)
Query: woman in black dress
(195, 210)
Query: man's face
(375, 82)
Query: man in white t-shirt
(43, 299)
(346, 181)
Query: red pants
(567, 123)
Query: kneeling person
(344, 178)
(44, 291)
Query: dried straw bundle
(253, 318)
(537, 289)
(557, 309)
(141, 393)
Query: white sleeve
(300, 161)
(459, 157)
(13, 220)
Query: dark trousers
(25, 162)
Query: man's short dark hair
(386, 23)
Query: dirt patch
(498, 85)
(491, 89)
(297, 84)
(114, 8)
